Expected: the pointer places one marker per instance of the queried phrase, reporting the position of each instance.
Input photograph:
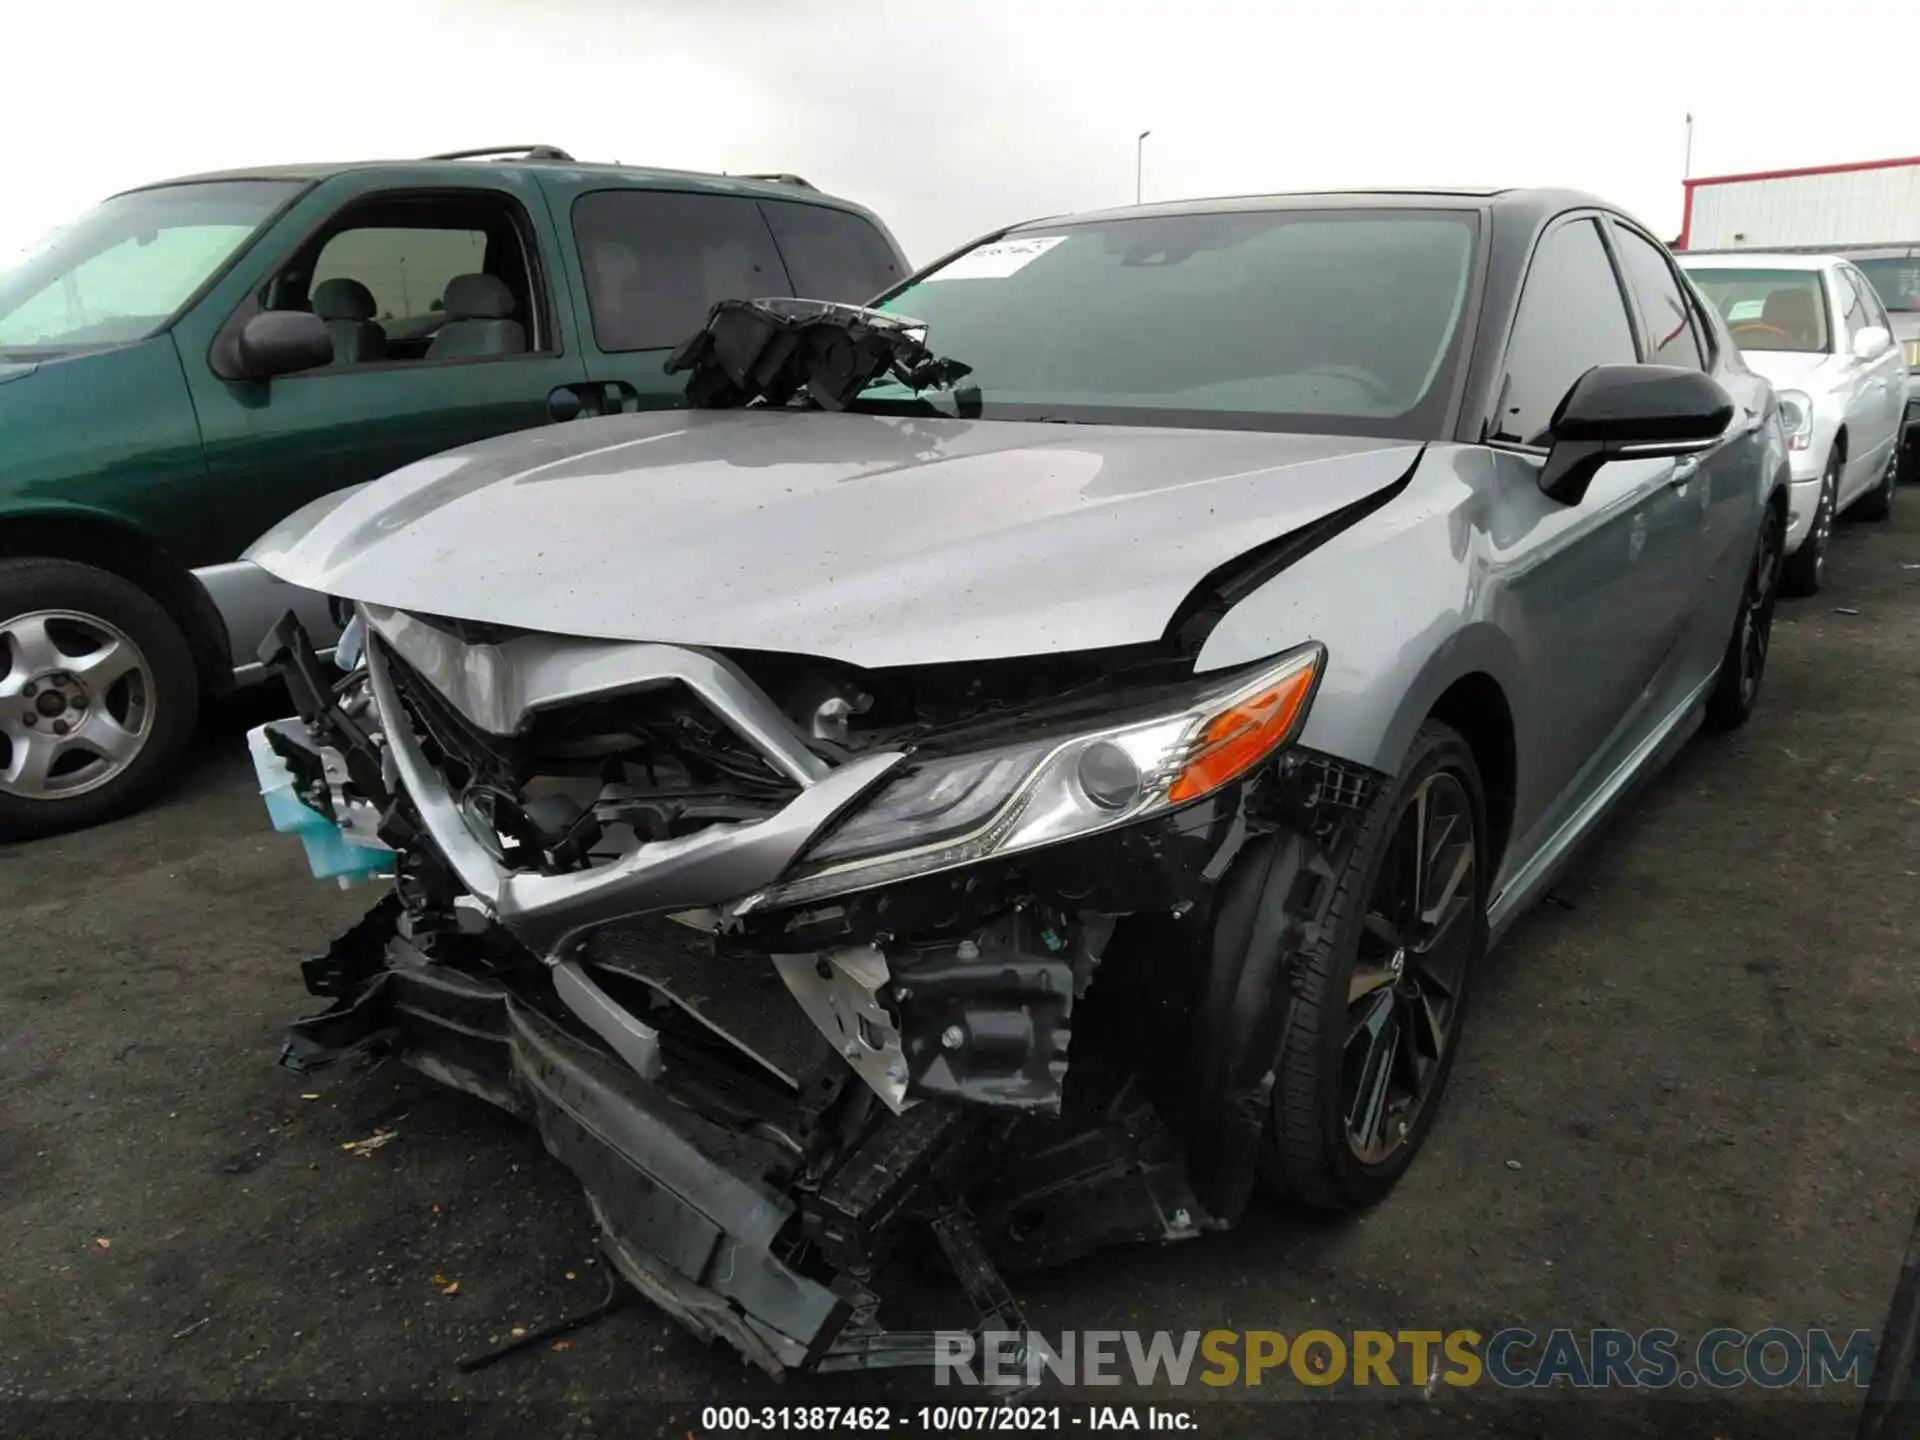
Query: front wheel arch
(122, 550)
(1307, 1157)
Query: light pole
(1686, 172)
(1139, 159)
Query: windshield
(1338, 321)
(120, 271)
(1768, 309)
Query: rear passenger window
(1572, 317)
(832, 254)
(1670, 337)
(657, 261)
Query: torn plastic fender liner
(1271, 901)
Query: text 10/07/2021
(944, 1419)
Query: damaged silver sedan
(1036, 763)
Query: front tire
(98, 697)
(1807, 566)
(1744, 663)
(1376, 1018)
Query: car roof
(447, 169)
(1523, 203)
(1754, 260)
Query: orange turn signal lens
(1236, 740)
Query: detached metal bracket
(996, 1312)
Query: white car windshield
(1768, 309)
(1338, 321)
(120, 271)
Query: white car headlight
(946, 811)
(1796, 418)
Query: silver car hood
(872, 540)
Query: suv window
(656, 262)
(406, 269)
(431, 277)
(1663, 305)
(832, 254)
(1572, 317)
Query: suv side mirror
(1871, 343)
(1630, 412)
(279, 342)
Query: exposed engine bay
(658, 902)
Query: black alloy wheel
(1381, 996)
(1410, 972)
(1745, 663)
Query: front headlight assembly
(949, 811)
(1796, 418)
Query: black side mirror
(1630, 412)
(279, 342)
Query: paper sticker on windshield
(998, 260)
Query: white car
(1816, 328)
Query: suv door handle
(591, 398)
(1683, 472)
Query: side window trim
(1490, 421)
(1870, 299)
(220, 353)
(1703, 328)
(1636, 319)
(773, 238)
(1702, 340)
(1616, 226)
(1855, 317)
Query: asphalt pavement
(1686, 1099)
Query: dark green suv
(191, 361)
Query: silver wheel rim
(1823, 518)
(76, 704)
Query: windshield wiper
(771, 351)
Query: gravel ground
(1685, 1100)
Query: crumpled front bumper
(692, 1213)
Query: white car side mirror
(1870, 343)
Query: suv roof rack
(501, 152)
(779, 178)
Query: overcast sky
(953, 118)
